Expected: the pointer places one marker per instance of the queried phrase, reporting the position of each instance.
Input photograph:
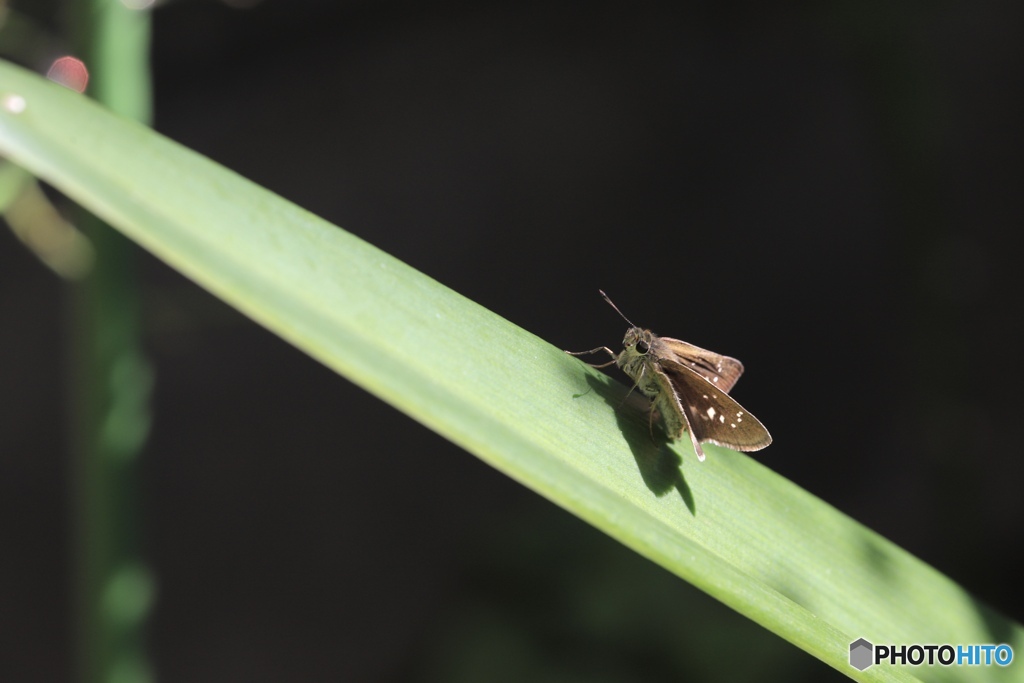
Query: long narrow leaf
(730, 526)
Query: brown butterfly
(688, 387)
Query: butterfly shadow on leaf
(659, 465)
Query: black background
(830, 192)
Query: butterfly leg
(599, 348)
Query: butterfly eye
(643, 346)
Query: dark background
(830, 192)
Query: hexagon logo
(861, 654)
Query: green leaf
(730, 526)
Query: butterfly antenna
(612, 304)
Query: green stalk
(112, 383)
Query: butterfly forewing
(721, 371)
(713, 415)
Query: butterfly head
(638, 340)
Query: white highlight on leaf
(14, 103)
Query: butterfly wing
(720, 371)
(713, 415)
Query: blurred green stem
(112, 383)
